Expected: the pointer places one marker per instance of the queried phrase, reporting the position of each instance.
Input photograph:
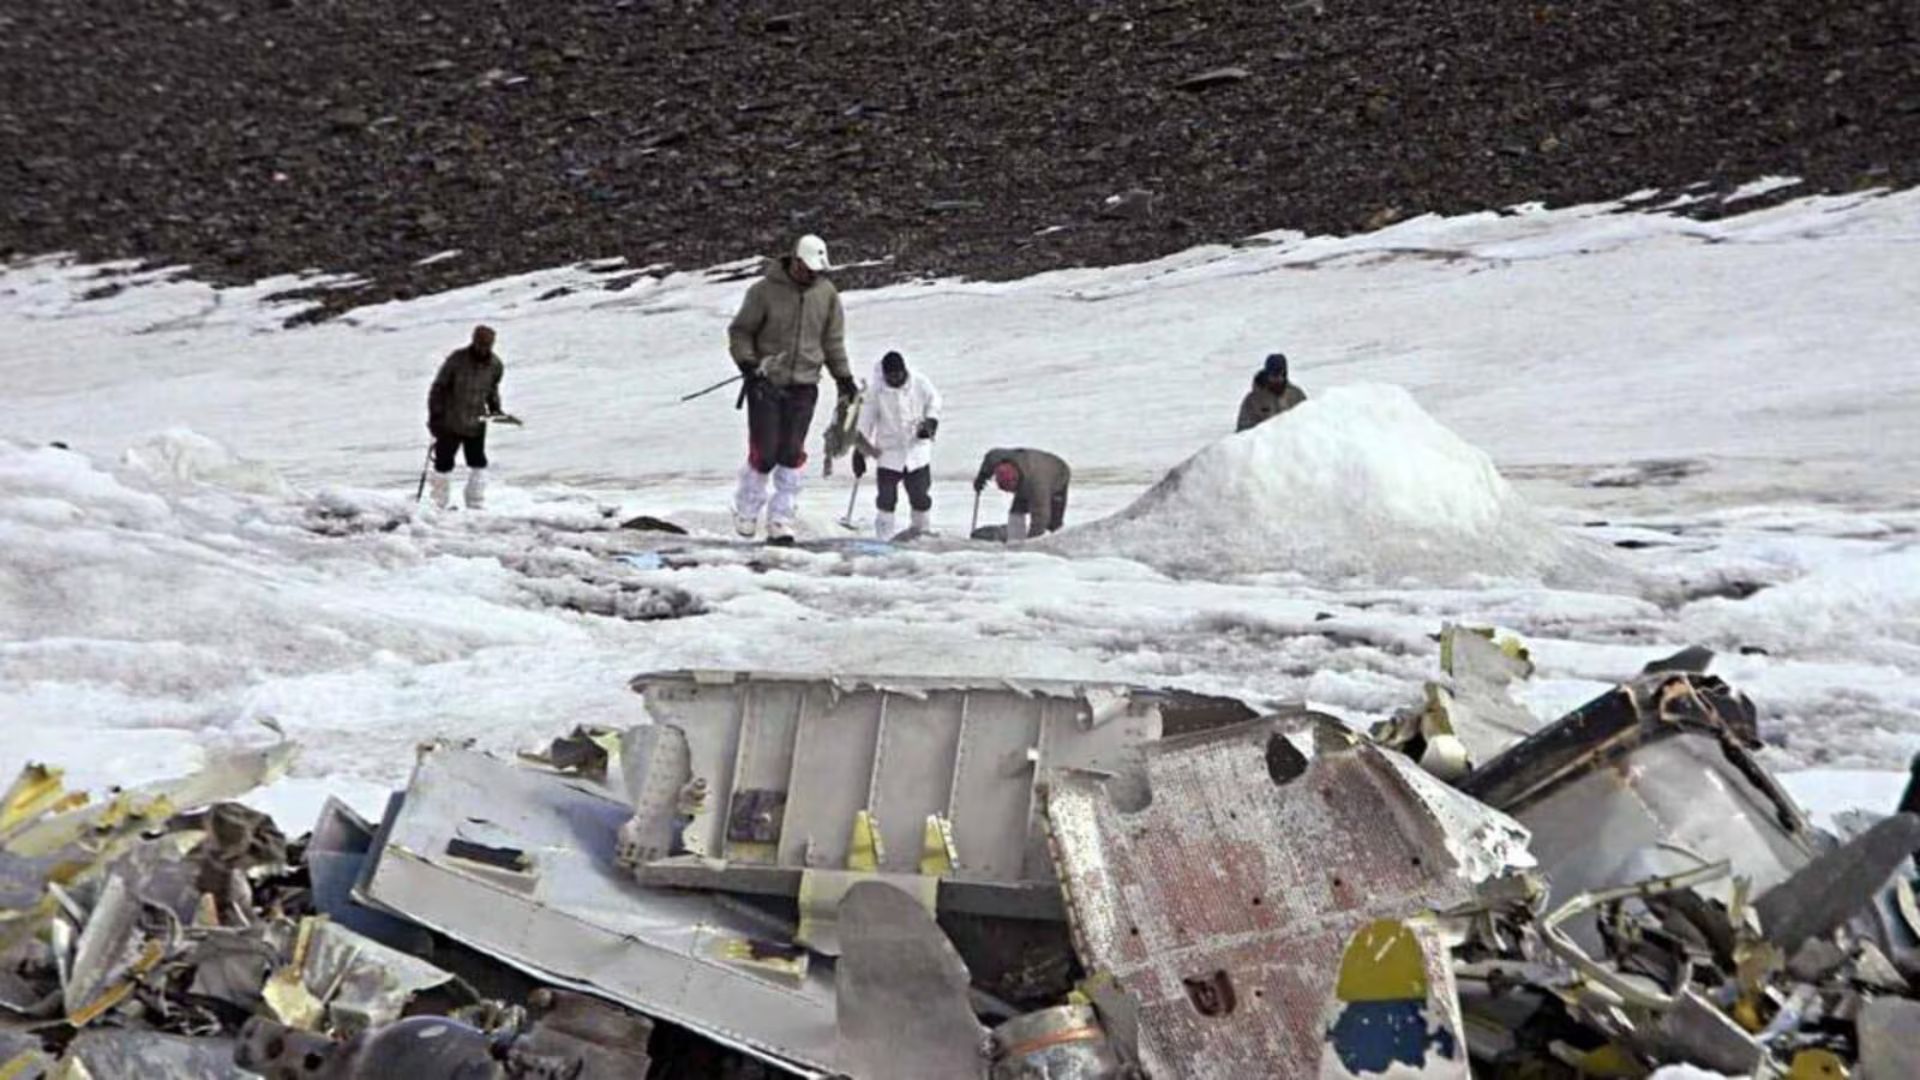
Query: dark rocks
(365, 137)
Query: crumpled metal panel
(1223, 906)
(1653, 777)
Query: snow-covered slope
(1715, 406)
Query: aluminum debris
(1653, 777)
(996, 880)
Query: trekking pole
(711, 389)
(428, 464)
(852, 498)
(975, 527)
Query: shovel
(846, 520)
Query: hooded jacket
(1262, 403)
(785, 333)
(464, 391)
(890, 420)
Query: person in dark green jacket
(465, 393)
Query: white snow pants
(786, 496)
(750, 494)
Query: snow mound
(181, 456)
(1357, 482)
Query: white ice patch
(1865, 608)
(1357, 482)
(182, 456)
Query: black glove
(980, 483)
(846, 386)
(927, 428)
(859, 464)
(434, 426)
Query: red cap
(1006, 475)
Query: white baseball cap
(812, 253)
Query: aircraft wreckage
(883, 877)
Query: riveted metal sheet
(1223, 906)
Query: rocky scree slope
(973, 137)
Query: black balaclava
(893, 368)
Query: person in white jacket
(898, 421)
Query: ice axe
(421, 491)
(711, 389)
(853, 497)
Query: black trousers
(919, 489)
(777, 421)
(475, 447)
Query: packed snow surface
(1358, 482)
(1612, 433)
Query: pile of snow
(180, 456)
(1358, 482)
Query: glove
(927, 428)
(980, 483)
(434, 425)
(859, 464)
(846, 386)
(756, 386)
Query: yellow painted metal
(1817, 1065)
(37, 790)
(757, 955)
(1610, 1062)
(866, 852)
(150, 956)
(1383, 962)
(286, 992)
(937, 854)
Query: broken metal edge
(916, 685)
(1532, 769)
(397, 875)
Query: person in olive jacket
(789, 326)
(465, 393)
(1272, 394)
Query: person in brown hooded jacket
(789, 326)
(1272, 394)
(465, 392)
(1038, 483)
